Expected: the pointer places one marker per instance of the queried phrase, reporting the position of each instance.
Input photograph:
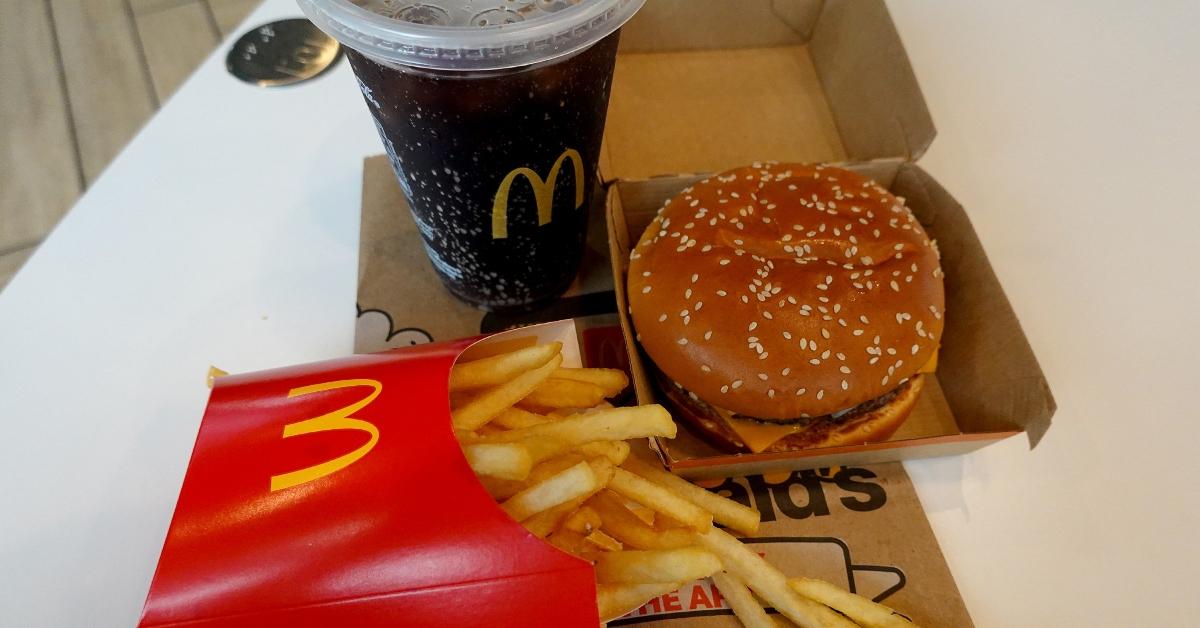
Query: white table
(227, 234)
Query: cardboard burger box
(335, 494)
(825, 82)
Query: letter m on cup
(339, 419)
(543, 192)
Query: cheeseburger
(787, 307)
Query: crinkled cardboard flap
(993, 380)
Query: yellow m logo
(543, 192)
(339, 419)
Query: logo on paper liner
(792, 495)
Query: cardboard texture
(336, 493)
(988, 385)
(705, 85)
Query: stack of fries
(548, 446)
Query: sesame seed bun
(785, 290)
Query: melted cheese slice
(758, 436)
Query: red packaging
(335, 493)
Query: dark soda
(498, 166)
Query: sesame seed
(745, 299)
(787, 335)
(884, 381)
(785, 371)
(699, 304)
(899, 318)
(814, 362)
(725, 389)
(695, 277)
(662, 317)
(687, 294)
(771, 393)
(762, 376)
(915, 349)
(721, 293)
(801, 391)
(753, 324)
(645, 289)
(821, 393)
(845, 385)
(645, 273)
(737, 383)
(825, 333)
(723, 262)
(705, 368)
(708, 335)
(682, 341)
(845, 369)
(825, 354)
(767, 315)
(857, 332)
(895, 286)
(804, 343)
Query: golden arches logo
(543, 192)
(339, 419)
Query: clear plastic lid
(468, 34)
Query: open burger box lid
(335, 494)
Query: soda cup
(492, 113)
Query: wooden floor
(60, 122)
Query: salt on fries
(549, 448)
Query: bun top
(785, 290)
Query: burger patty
(717, 432)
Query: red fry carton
(335, 493)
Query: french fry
(661, 500)
(507, 461)
(541, 448)
(614, 600)
(614, 424)
(516, 418)
(562, 413)
(742, 601)
(500, 368)
(583, 520)
(574, 482)
(622, 524)
(501, 490)
(615, 450)
(574, 543)
(563, 393)
(554, 466)
(492, 401)
(768, 582)
(634, 566)
(487, 349)
(548, 520)
(604, 541)
(724, 511)
(612, 381)
(863, 611)
(551, 519)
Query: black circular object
(282, 53)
